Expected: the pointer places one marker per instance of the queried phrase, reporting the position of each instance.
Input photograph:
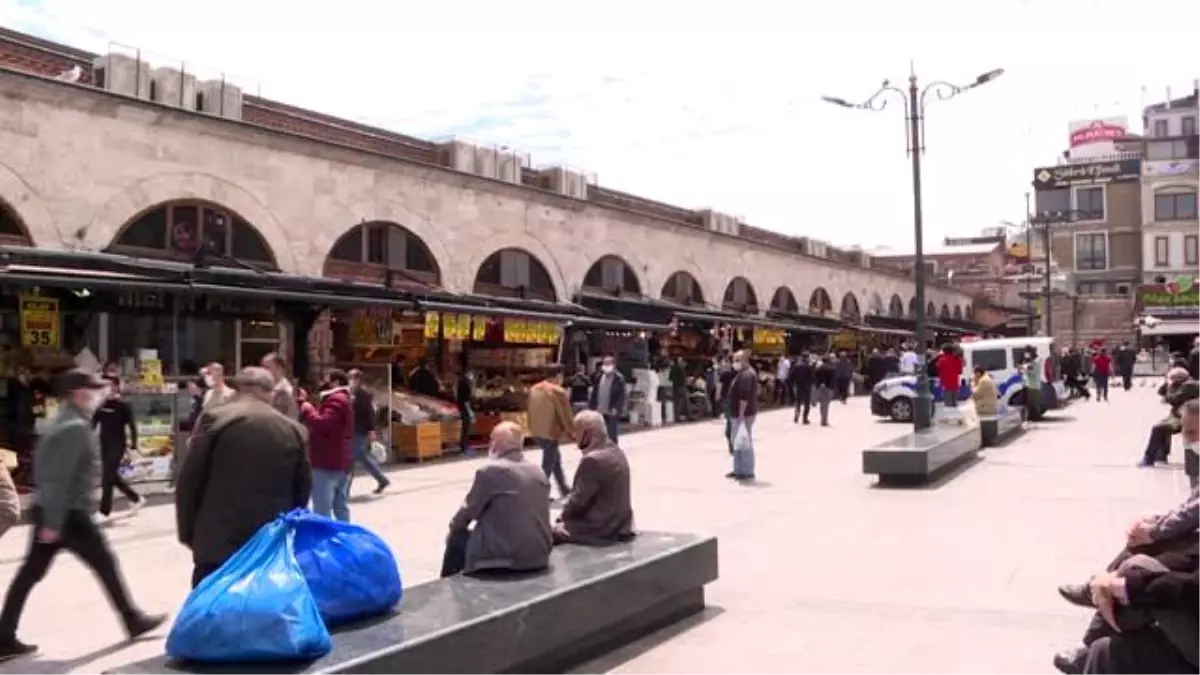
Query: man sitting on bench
(987, 400)
(599, 510)
(509, 503)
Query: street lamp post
(914, 114)
(1046, 220)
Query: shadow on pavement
(618, 657)
(37, 665)
(941, 478)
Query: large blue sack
(351, 571)
(256, 608)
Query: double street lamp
(914, 113)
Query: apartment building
(1170, 181)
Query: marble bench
(999, 428)
(919, 457)
(590, 601)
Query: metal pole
(1029, 261)
(923, 408)
(1049, 313)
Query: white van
(894, 396)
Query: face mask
(738, 365)
(608, 368)
(209, 381)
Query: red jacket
(1102, 364)
(330, 430)
(949, 369)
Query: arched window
(958, 312)
(514, 273)
(682, 287)
(611, 274)
(876, 304)
(740, 296)
(850, 310)
(784, 301)
(183, 229)
(819, 302)
(970, 313)
(12, 231)
(896, 307)
(945, 311)
(373, 250)
(912, 308)
(930, 310)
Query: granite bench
(590, 601)
(918, 457)
(1001, 427)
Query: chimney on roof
(121, 74)
(218, 97)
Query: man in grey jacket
(65, 464)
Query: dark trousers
(1127, 380)
(679, 398)
(842, 388)
(1101, 387)
(781, 392)
(1078, 385)
(1159, 445)
(80, 536)
(552, 463)
(454, 559)
(803, 404)
(612, 424)
(201, 571)
(110, 477)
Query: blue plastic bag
(256, 608)
(351, 571)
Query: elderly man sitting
(599, 510)
(509, 504)
(1179, 389)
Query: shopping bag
(351, 571)
(741, 438)
(255, 608)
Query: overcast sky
(699, 104)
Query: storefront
(1168, 315)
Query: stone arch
(492, 271)
(12, 227)
(419, 225)
(521, 241)
(28, 210)
(969, 313)
(682, 287)
(958, 313)
(875, 305)
(138, 198)
(945, 311)
(784, 301)
(896, 307)
(819, 302)
(912, 308)
(613, 274)
(383, 252)
(182, 228)
(850, 309)
(930, 310)
(740, 296)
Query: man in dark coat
(608, 396)
(1124, 358)
(876, 368)
(599, 509)
(800, 379)
(247, 464)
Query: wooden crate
(484, 423)
(451, 432)
(521, 418)
(419, 442)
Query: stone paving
(820, 571)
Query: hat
(78, 378)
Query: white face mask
(209, 381)
(608, 368)
(738, 365)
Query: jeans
(680, 399)
(552, 463)
(362, 455)
(950, 398)
(824, 396)
(81, 537)
(612, 424)
(110, 478)
(1101, 386)
(331, 494)
(743, 461)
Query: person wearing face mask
(599, 510)
(66, 478)
(743, 409)
(112, 419)
(217, 393)
(330, 435)
(608, 396)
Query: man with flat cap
(65, 465)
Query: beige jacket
(986, 397)
(10, 501)
(549, 411)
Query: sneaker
(1070, 661)
(14, 649)
(136, 506)
(1144, 464)
(144, 623)
(100, 519)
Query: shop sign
(433, 322)
(40, 322)
(846, 339)
(371, 331)
(769, 339)
(1084, 174)
(456, 326)
(522, 332)
(479, 326)
(1179, 297)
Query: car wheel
(901, 410)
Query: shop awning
(1172, 327)
(63, 277)
(882, 331)
(807, 323)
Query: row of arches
(386, 252)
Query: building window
(1049, 201)
(514, 272)
(1191, 249)
(1160, 150)
(1160, 128)
(1175, 206)
(1091, 251)
(182, 229)
(388, 246)
(1188, 126)
(1089, 203)
(1162, 252)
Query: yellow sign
(369, 331)
(150, 373)
(40, 322)
(521, 332)
(846, 339)
(769, 336)
(479, 328)
(432, 323)
(456, 326)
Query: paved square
(820, 572)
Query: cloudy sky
(699, 104)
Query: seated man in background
(987, 400)
(1189, 424)
(509, 504)
(1180, 389)
(599, 510)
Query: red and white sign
(1096, 137)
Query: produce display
(154, 418)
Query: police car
(894, 397)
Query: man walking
(781, 380)
(608, 396)
(331, 430)
(248, 464)
(112, 418)
(64, 464)
(1124, 359)
(550, 421)
(801, 383)
(743, 407)
(283, 395)
(844, 376)
(364, 430)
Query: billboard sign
(1097, 137)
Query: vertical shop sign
(479, 326)
(40, 322)
(432, 323)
